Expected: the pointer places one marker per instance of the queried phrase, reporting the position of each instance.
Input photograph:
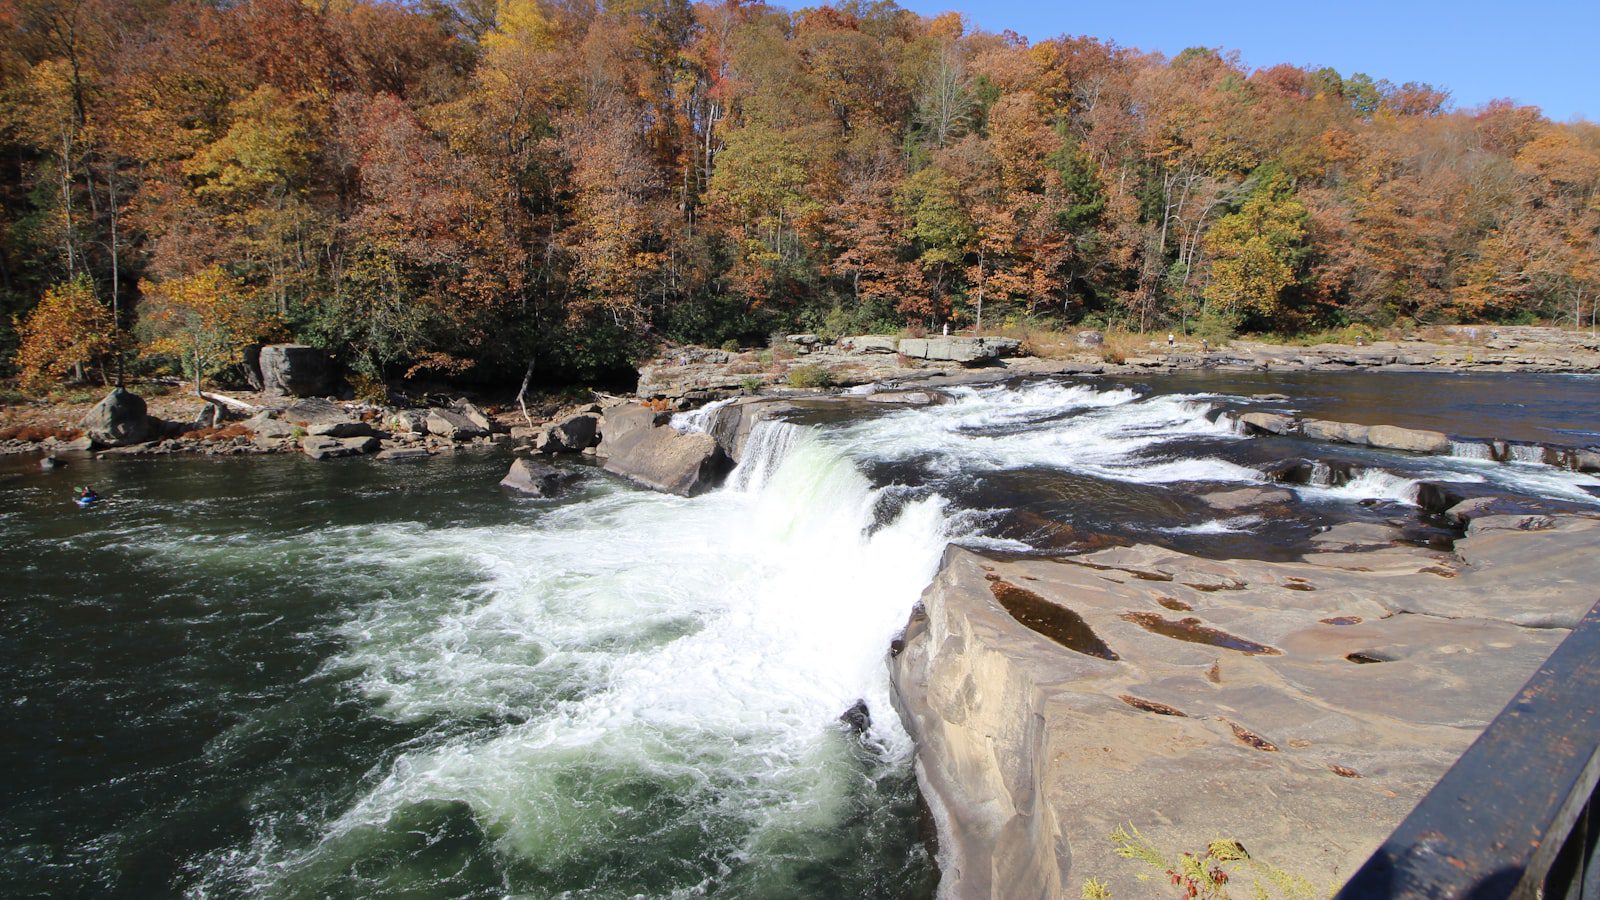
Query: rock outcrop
(119, 420)
(572, 435)
(295, 370)
(640, 446)
(537, 479)
(1337, 432)
(321, 448)
(964, 350)
(1301, 708)
(1266, 423)
(456, 424)
(1415, 440)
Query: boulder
(1246, 498)
(252, 367)
(959, 349)
(408, 421)
(624, 419)
(802, 340)
(537, 479)
(1090, 339)
(1340, 432)
(908, 398)
(295, 370)
(1393, 437)
(313, 412)
(474, 415)
(1587, 460)
(321, 448)
(668, 460)
(267, 426)
(80, 444)
(453, 424)
(869, 343)
(355, 428)
(119, 420)
(400, 453)
(574, 435)
(1266, 423)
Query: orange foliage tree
(68, 330)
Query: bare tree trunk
(116, 276)
(978, 328)
(522, 392)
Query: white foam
(1471, 450)
(1235, 525)
(698, 419)
(1370, 484)
(708, 642)
(1108, 433)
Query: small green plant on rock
(1210, 875)
(750, 383)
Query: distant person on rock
(947, 329)
(1171, 341)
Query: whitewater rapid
(657, 682)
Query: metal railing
(1516, 816)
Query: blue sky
(1540, 52)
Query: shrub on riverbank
(810, 377)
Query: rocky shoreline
(688, 377)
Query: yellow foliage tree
(69, 329)
(204, 321)
(1256, 252)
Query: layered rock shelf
(1417, 440)
(1301, 708)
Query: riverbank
(804, 366)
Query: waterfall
(703, 649)
(768, 445)
(1471, 450)
(698, 419)
(1530, 454)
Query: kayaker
(86, 494)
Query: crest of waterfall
(698, 419)
(768, 445)
(1471, 450)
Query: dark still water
(1550, 409)
(272, 677)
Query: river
(272, 677)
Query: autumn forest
(455, 187)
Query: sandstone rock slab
(1283, 704)
(665, 459)
(1415, 440)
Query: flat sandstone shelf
(1300, 708)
